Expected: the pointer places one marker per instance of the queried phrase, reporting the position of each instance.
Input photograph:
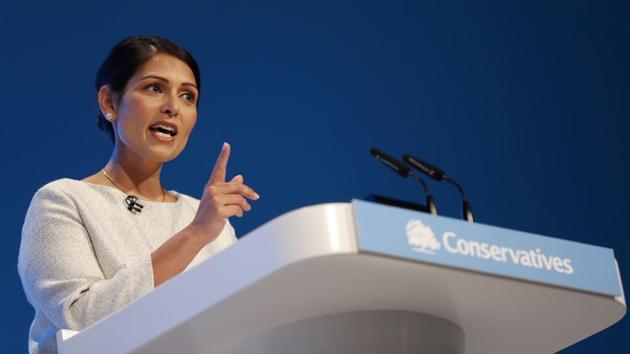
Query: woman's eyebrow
(166, 80)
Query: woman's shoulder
(73, 193)
(62, 187)
(54, 199)
(67, 187)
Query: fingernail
(256, 196)
(224, 145)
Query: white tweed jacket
(83, 255)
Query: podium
(366, 278)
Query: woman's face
(157, 110)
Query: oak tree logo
(421, 237)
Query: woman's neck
(136, 175)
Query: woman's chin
(161, 154)
(166, 151)
(166, 156)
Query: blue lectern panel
(434, 239)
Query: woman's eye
(189, 97)
(154, 88)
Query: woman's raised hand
(221, 199)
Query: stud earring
(109, 116)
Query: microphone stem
(459, 188)
(467, 209)
(429, 198)
(422, 182)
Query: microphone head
(425, 167)
(375, 152)
(397, 166)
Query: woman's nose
(170, 107)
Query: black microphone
(425, 167)
(132, 204)
(439, 175)
(404, 170)
(391, 162)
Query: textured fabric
(84, 256)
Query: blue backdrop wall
(526, 103)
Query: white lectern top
(302, 278)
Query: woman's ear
(107, 102)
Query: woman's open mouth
(163, 132)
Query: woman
(91, 246)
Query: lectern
(367, 278)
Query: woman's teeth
(166, 135)
(163, 130)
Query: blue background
(525, 103)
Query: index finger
(220, 167)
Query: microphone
(425, 167)
(132, 204)
(439, 175)
(404, 170)
(398, 166)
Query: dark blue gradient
(525, 103)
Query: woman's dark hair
(124, 61)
